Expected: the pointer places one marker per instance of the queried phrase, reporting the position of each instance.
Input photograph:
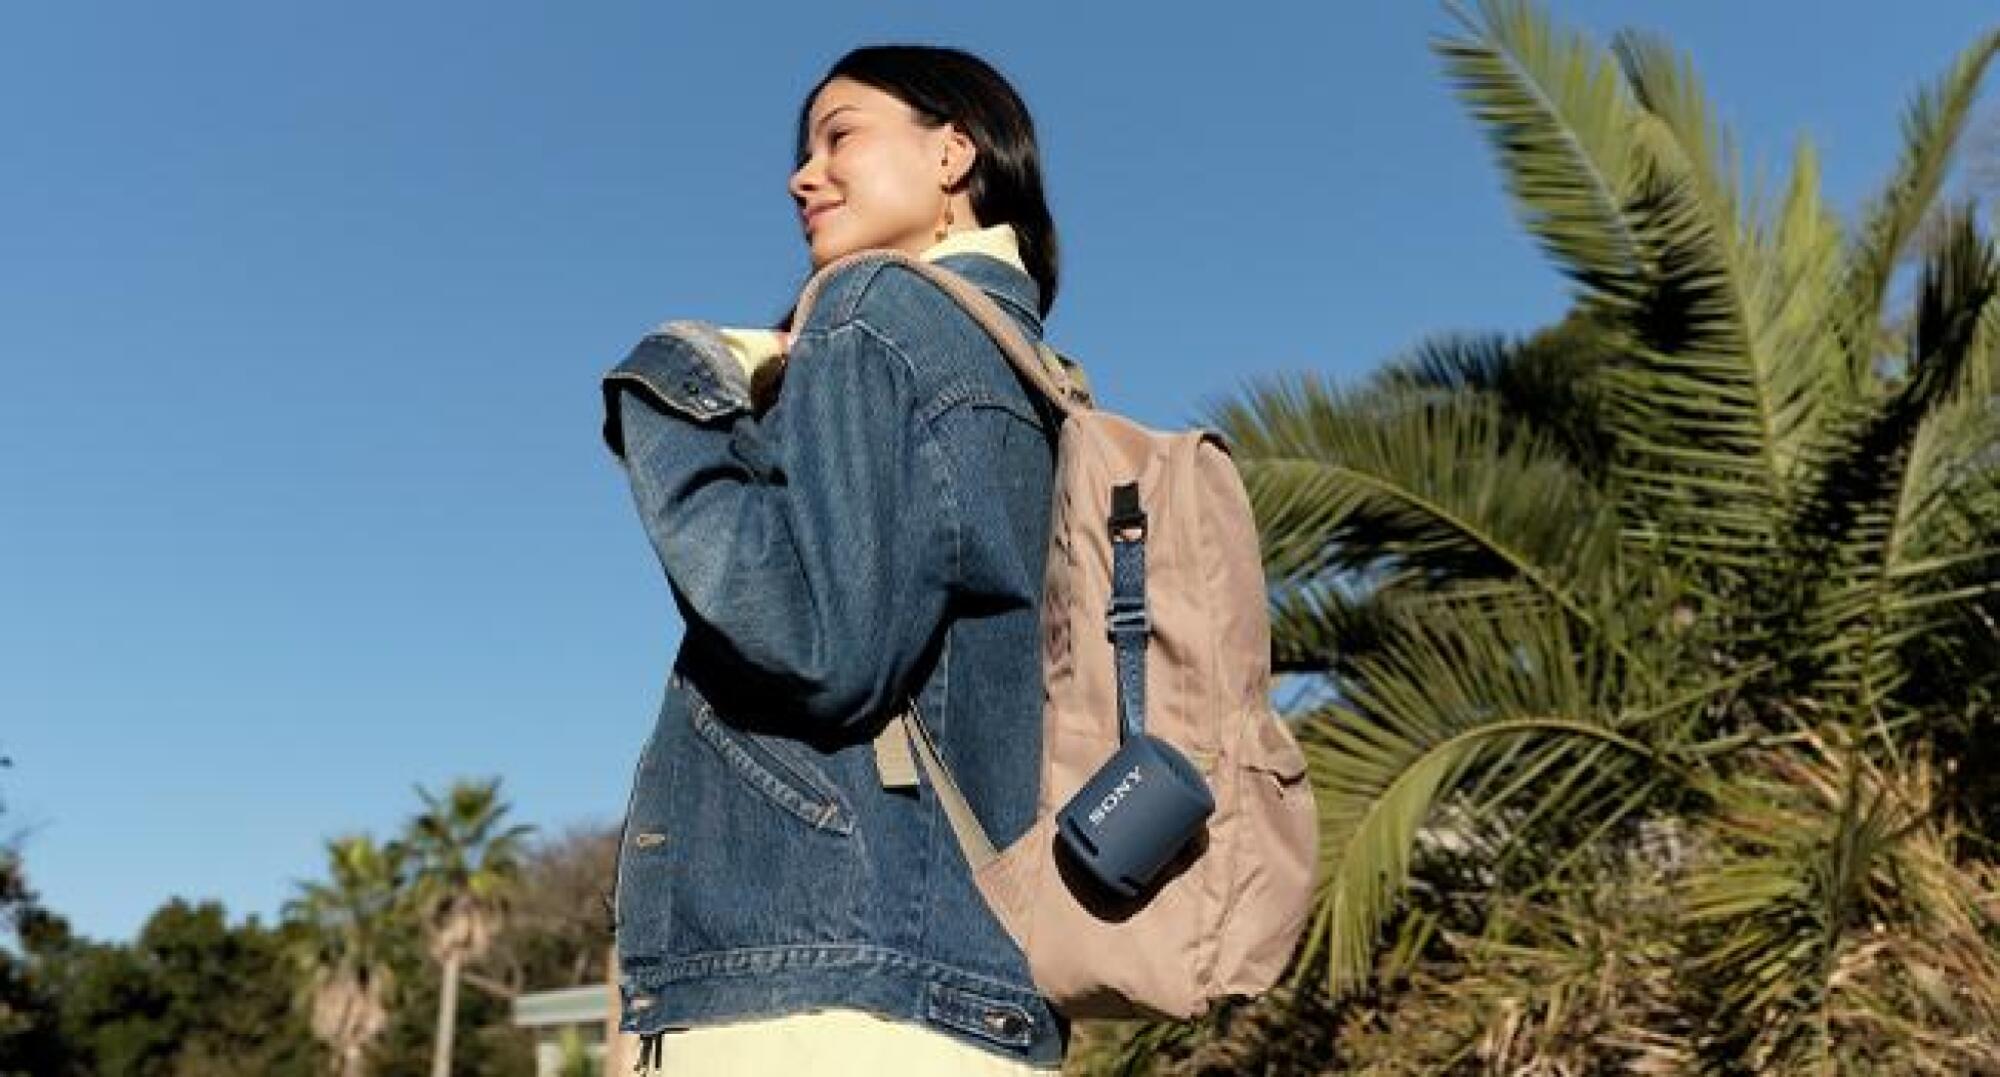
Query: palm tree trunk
(447, 1018)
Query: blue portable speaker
(1135, 814)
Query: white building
(588, 1014)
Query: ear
(958, 148)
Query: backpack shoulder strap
(1031, 360)
(1072, 370)
(972, 838)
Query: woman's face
(875, 177)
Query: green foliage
(1657, 646)
(29, 1043)
(487, 1043)
(191, 995)
(345, 984)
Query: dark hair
(946, 85)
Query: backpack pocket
(1278, 837)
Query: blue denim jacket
(877, 537)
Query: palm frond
(1714, 394)
(1324, 625)
(1560, 119)
(1546, 387)
(1405, 484)
(1664, 84)
(1778, 272)
(1932, 128)
(1456, 692)
(1890, 508)
(1701, 439)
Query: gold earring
(942, 229)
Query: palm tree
(468, 868)
(350, 926)
(1655, 641)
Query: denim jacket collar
(999, 274)
(1012, 287)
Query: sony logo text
(1116, 794)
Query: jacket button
(1006, 1024)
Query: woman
(869, 537)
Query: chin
(831, 243)
(824, 250)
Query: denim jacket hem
(1009, 1020)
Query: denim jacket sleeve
(812, 547)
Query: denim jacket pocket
(772, 766)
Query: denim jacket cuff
(684, 368)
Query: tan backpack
(1230, 909)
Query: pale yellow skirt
(829, 1043)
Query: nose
(805, 180)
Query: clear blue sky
(302, 311)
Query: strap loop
(1126, 621)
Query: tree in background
(467, 875)
(191, 995)
(346, 967)
(349, 929)
(556, 934)
(486, 1044)
(558, 931)
(1658, 646)
(28, 1040)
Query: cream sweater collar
(755, 347)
